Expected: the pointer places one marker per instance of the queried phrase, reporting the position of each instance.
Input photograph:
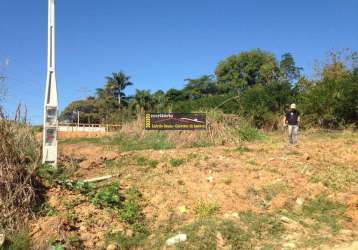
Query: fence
(83, 127)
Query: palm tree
(143, 100)
(116, 84)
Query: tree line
(253, 84)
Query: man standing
(292, 120)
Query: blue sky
(158, 43)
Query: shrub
(108, 196)
(247, 133)
(19, 159)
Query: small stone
(235, 215)
(112, 247)
(220, 241)
(289, 245)
(2, 239)
(109, 156)
(129, 233)
(87, 164)
(86, 236)
(182, 209)
(210, 179)
(285, 219)
(83, 228)
(54, 201)
(346, 232)
(307, 157)
(300, 201)
(175, 239)
(101, 244)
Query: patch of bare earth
(263, 177)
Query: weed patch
(205, 210)
(208, 234)
(262, 225)
(82, 140)
(141, 161)
(337, 178)
(249, 134)
(131, 213)
(157, 141)
(325, 211)
(242, 149)
(107, 196)
(18, 241)
(176, 162)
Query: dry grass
(19, 158)
(221, 130)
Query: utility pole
(49, 153)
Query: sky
(158, 43)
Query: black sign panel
(175, 121)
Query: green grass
(142, 161)
(150, 140)
(242, 149)
(325, 212)
(201, 144)
(50, 174)
(271, 190)
(337, 178)
(20, 240)
(87, 140)
(205, 209)
(264, 195)
(249, 134)
(176, 162)
(47, 210)
(107, 196)
(202, 234)
(321, 217)
(157, 141)
(262, 225)
(132, 214)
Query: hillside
(260, 195)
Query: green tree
(203, 86)
(115, 87)
(331, 101)
(288, 69)
(143, 100)
(159, 101)
(246, 69)
(89, 111)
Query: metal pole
(78, 118)
(49, 154)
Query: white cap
(293, 106)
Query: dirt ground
(262, 177)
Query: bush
(247, 133)
(108, 196)
(332, 103)
(19, 159)
(18, 241)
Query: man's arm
(285, 120)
